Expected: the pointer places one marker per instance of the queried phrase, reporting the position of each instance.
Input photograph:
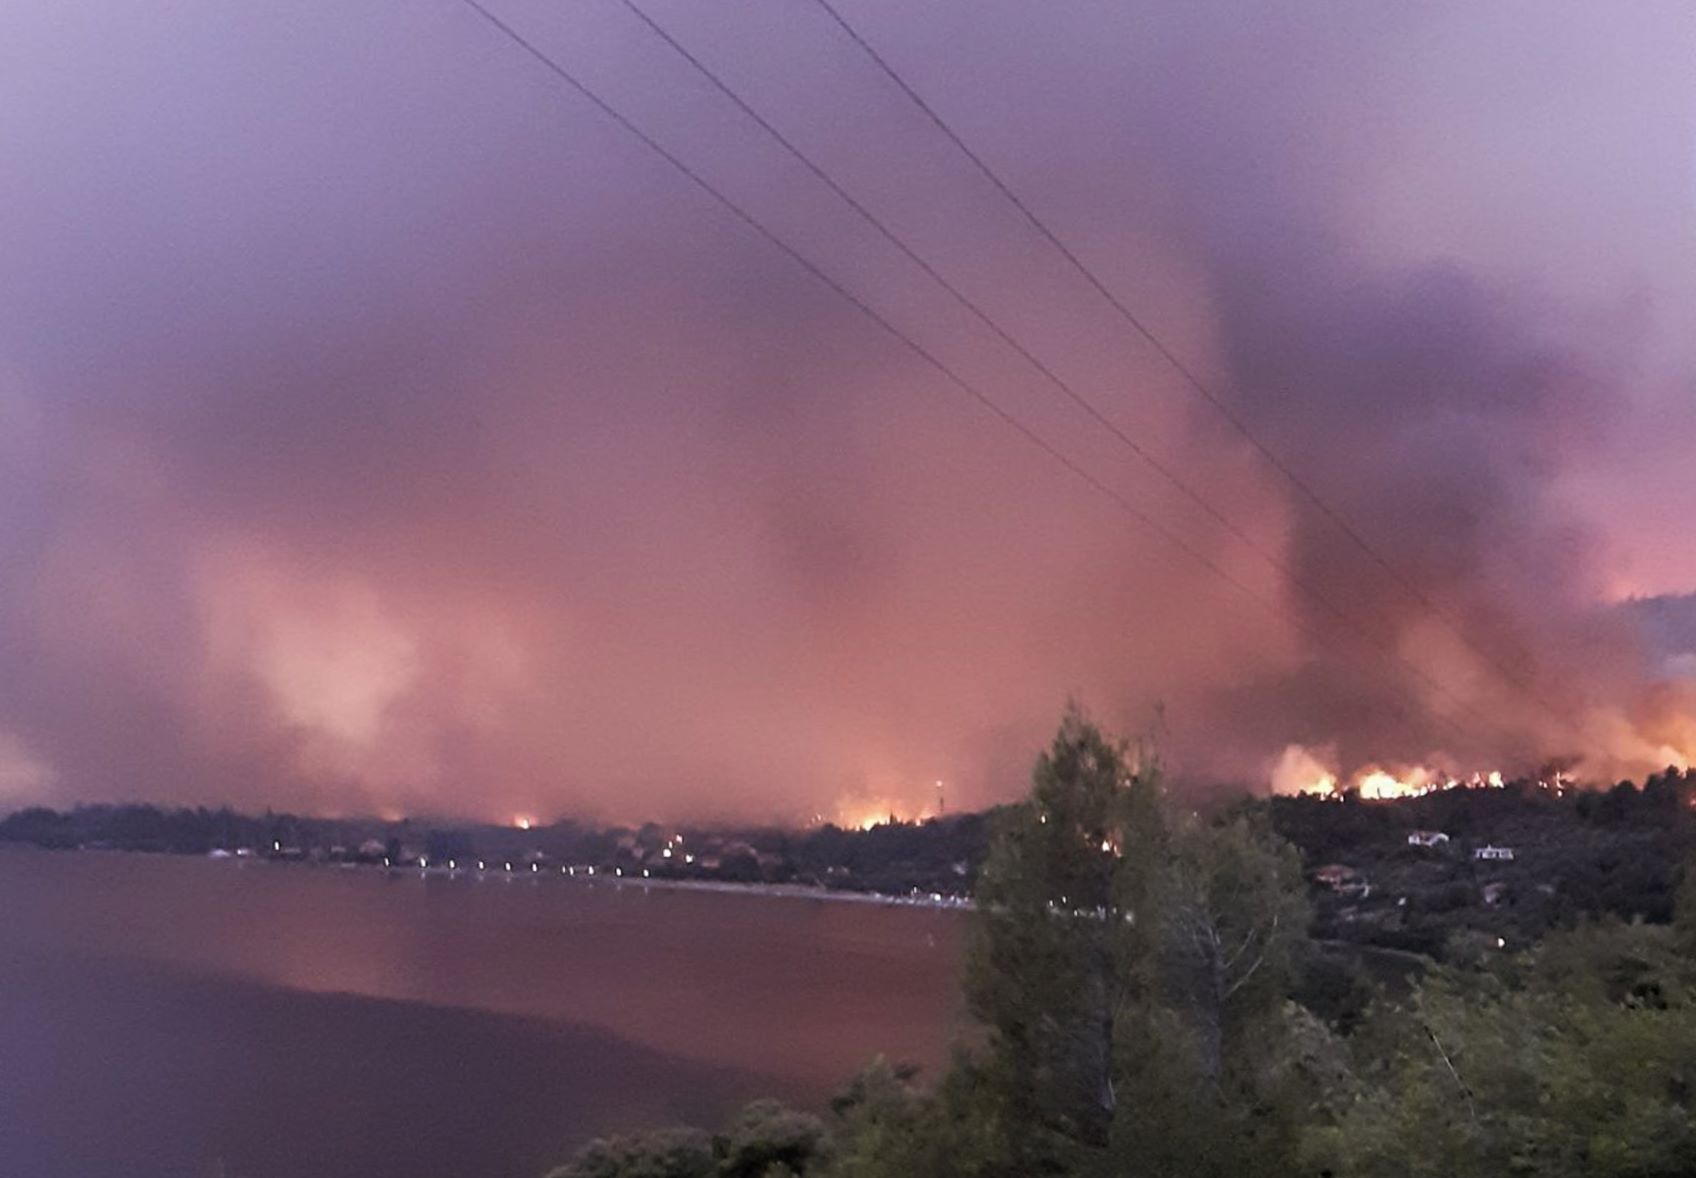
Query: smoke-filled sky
(383, 429)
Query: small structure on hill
(1427, 838)
(1342, 879)
(1490, 852)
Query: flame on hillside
(864, 814)
(1654, 733)
(1301, 771)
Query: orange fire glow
(1299, 771)
(864, 814)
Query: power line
(965, 301)
(1189, 376)
(982, 316)
(918, 349)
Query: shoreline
(719, 887)
(581, 876)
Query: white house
(1487, 851)
(1427, 838)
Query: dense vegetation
(1617, 852)
(1150, 1000)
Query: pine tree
(1132, 972)
(1051, 962)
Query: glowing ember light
(867, 811)
(865, 816)
(1378, 785)
(1299, 772)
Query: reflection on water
(168, 1016)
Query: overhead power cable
(820, 173)
(1030, 435)
(1190, 377)
(1096, 414)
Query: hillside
(1618, 852)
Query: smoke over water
(383, 430)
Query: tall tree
(1130, 968)
(1232, 913)
(1048, 971)
(1216, 1055)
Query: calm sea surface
(184, 1017)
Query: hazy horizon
(382, 429)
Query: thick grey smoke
(381, 428)
(1441, 399)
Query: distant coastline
(1436, 875)
(782, 891)
(891, 862)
